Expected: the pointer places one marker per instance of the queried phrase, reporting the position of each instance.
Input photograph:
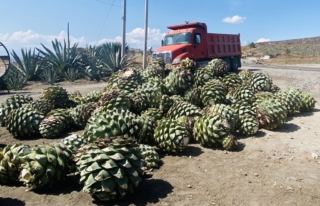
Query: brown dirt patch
(271, 168)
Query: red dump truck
(193, 41)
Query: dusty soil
(270, 168)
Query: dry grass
(137, 61)
(294, 51)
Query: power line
(109, 4)
(106, 19)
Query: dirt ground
(271, 168)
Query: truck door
(198, 49)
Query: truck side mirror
(161, 42)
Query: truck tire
(229, 68)
(234, 64)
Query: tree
(288, 51)
(252, 45)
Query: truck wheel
(229, 68)
(234, 64)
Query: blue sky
(27, 23)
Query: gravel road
(291, 76)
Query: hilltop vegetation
(304, 50)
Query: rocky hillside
(304, 47)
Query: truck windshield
(177, 39)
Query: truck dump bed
(221, 45)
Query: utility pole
(68, 39)
(145, 35)
(123, 46)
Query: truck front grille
(166, 56)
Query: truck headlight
(176, 61)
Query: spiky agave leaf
(115, 100)
(111, 123)
(58, 96)
(248, 124)
(183, 108)
(224, 111)
(178, 81)
(43, 106)
(218, 67)
(81, 113)
(110, 168)
(245, 93)
(232, 81)
(24, 122)
(51, 127)
(151, 157)
(213, 92)
(74, 142)
(146, 131)
(291, 98)
(260, 82)
(307, 102)
(211, 130)
(63, 115)
(271, 114)
(93, 96)
(193, 96)
(28, 64)
(45, 166)
(245, 75)
(10, 161)
(202, 76)
(188, 64)
(171, 136)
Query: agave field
(64, 63)
(296, 50)
(140, 116)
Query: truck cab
(193, 41)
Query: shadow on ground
(70, 184)
(11, 202)
(149, 191)
(288, 127)
(239, 146)
(302, 114)
(260, 133)
(191, 150)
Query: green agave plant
(62, 58)
(14, 78)
(66, 63)
(48, 75)
(110, 55)
(28, 65)
(95, 69)
(72, 74)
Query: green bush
(252, 45)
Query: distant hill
(304, 47)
